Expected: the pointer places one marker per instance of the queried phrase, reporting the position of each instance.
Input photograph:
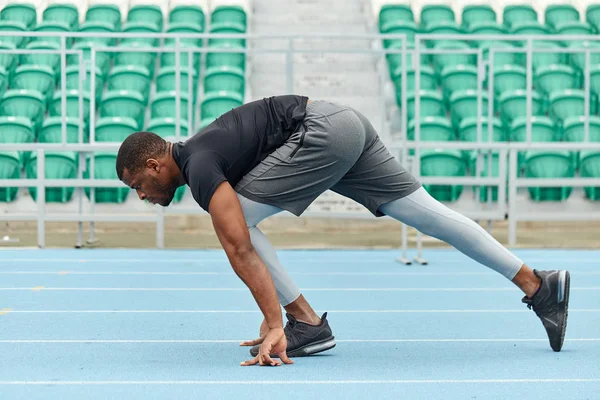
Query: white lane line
(584, 310)
(311, 382)
(192, 289)
(217, 341)
(550, 259)
(66, 272)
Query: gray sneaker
(304, 339)
(550, 303)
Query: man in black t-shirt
(280, 153)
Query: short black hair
(136, 149)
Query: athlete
(280, 153)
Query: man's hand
(273, 343)
(264, 329)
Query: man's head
(145, 164)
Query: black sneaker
(550, 303)
(304, 339)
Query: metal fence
(506, 205)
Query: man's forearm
(254, 273)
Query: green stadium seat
(443, 28)
(440, 162)
(52, 26)
(72, 74)
(19, 12)
(130, 78)
(3, 79)
(592, 15)
(229, 14)
(131, 57)
(543, 129)
(187, 28)
(574, 28)
(65, 13)
(179, 193)
(432, 129)
(23, 103)
(166, 80)
(166, 127)
(544, 58)
(476, 14)
(578, 59)
(502, 55)
(513, 14)
(227, 28)
(589, 167)
(224, 78)
(8, 61)
(513, 104)
(549, 164)
(215, 104)
(108, 13)
(51, 130)
(394, 12)
(124, 103)
(569, 103)
(114, 129)
(16, 130)
(50, 60)
(13, 26)
(407, 28)
(440, 61)
(164, 105)
(484, 172)
(463, 104)
(105, 168)
(223, 58)
(428, 80)
(509, 77)
(93, 27)
(467, 131)
(458, 77)
(148, 13)
(142, 27)
(433, 13)
(72, 99)
(168, 59)
(557, 14)
(34, 77)
(190, 14)
(58, 165)
(394, 60)
(574, 131)
(10, 168)
(431, 104)
(555, 77)
(529, 28)
(102, 58)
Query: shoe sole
(564, 283)
(308, 349)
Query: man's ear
(153, 164)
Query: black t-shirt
(236, 142)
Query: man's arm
(230, 226)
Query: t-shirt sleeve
(206, 173)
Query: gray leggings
(418, 210)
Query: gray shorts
(335, 148)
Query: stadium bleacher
(136, 90)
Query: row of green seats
(536, 164)
(473, 15)
(31, 105)
(108, 18)
(506, 77)
(509, 105)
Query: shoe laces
(290, 332)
